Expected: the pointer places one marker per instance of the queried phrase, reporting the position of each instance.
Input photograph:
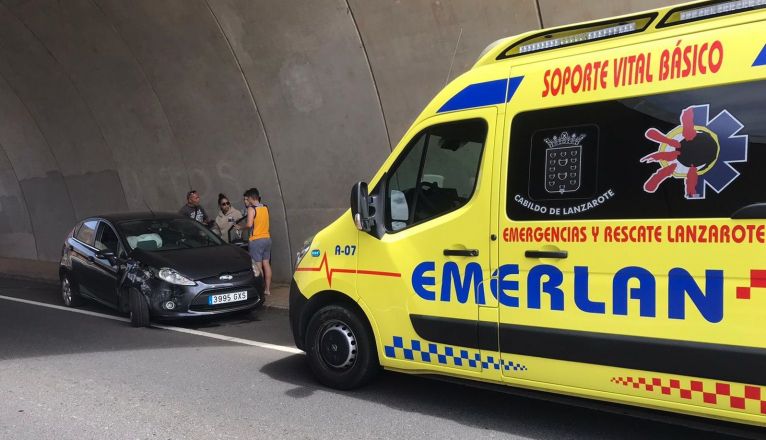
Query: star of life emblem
(563, 163)
(700, 152)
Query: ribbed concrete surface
(109, 105)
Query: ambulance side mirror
(360, 207)
(369, 211)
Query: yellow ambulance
(582, 212)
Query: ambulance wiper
(754, 211)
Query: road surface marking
(66, 309)
(282, 348)
(266, 345)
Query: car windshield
(167, 234)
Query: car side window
(106, 239)
(87, 232)
(436, 174)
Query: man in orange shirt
(259, 243)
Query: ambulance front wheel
(341, 348)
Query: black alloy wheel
(341, 348)
(69, 292)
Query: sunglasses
(225, 204)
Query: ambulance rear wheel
(341, 349)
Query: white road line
(282, 348)
(66, 309)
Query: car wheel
(139, 309)
(341, 348)
(69, 292)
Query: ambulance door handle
(546, 254)
(461, 252)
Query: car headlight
(304, 250)
(173, 277)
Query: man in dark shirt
(193, 210)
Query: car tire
(69, 293)
(139, 309)
(341, 348)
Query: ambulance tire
(341, 348)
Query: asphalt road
(66, 375)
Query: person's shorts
(260, 249)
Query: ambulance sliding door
(629, 261)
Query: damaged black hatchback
(156, 266)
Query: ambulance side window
(436, 173)
(695, 153)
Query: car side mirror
(108, 255)
(360, 207)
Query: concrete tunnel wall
(113, 105)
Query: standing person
(227, 216)
(259, 244)
(193, 210)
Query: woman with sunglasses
(226, 218)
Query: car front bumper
(191, 301)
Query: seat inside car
(145, 241)
(147, 245)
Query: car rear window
(87, 232)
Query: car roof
(128, 216)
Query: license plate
(227, 298)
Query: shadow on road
(496, 411)
(36, 332)
(30, 331)
(264, 324)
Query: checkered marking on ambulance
(734, 396)
(757, 281)
(429, 352)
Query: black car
(154, 265)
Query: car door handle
(461, 252)
(90, 258)
(546, 254)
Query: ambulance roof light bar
(572, 35)
(578, 38)
(710, 9)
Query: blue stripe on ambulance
(483, 94)
(429, 352)
(760, 60)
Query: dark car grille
(238, 278)
(200, 302)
